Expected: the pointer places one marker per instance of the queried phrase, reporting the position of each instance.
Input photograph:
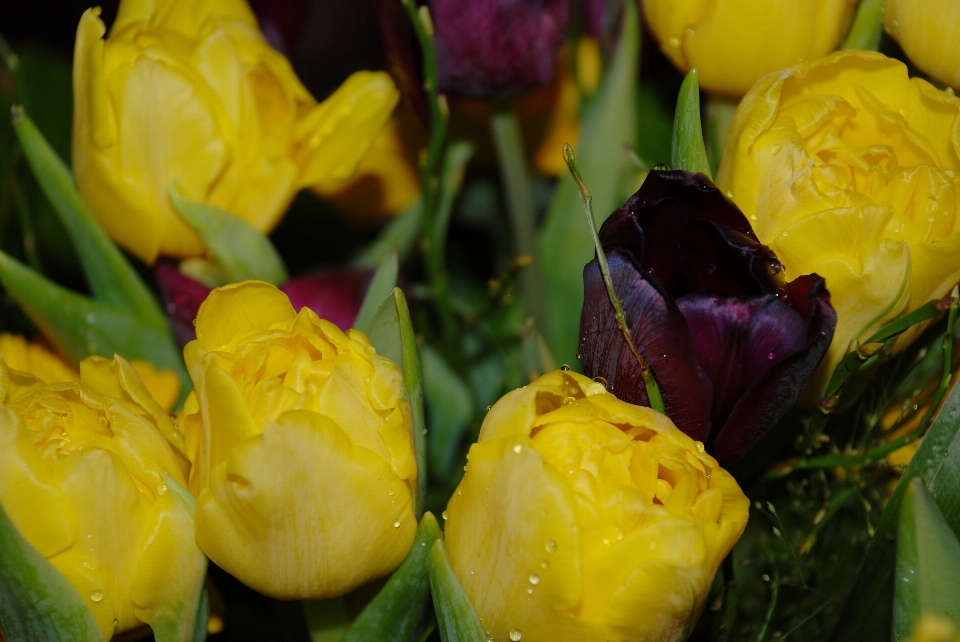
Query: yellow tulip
(934, 628)
(82, 468)
(929, 32)
(301, 439)
(34, 358)
(732, 43)
(582, 517)
(190, 91)
(848, 168)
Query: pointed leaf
(688, 151)
(867, 614)
(384, 280)
(455, 615)
(80, 327)
(928, 563)
(112, 279)
(451, 408)
(400, 605)
(239, 250)
(36, 601)
(564, 244)
(391, 333)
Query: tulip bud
(929, 34)
(730, 342)
(497, 48)
(82, 477)
(301, 440)
(190, 92)
(583, 517)
(732, 43)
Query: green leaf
(451, 408)
(239, 250)
(391, 333)
(112, 279)
(79, 326)
(203, 616)
(564, 244)
(36, 601)
(867, 26)
(688, 151)
(399, 235)
(396, 611)
(867, 614)
(383, 282)
(455, 615)
(928, 563)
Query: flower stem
(653, 392)
(867, 26)
(439, 114)
(508, 142)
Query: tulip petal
(226, 316)
(319, 541)
(773, 392)
(183, 297)
(660, 334)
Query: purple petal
(335, 295)
(182, 297)
(660, 335)
(775, 391)
(497, 48)
(738, 339)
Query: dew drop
(545, 564)
(444, 515)
(515, 634)
(88, 566)
(529, 590)
(517, 448)
(390, 492)
(564, 368)
(786, 234)
(568, 401)
(770, 356)
(162, 489)
(534, 579)
(396, 524)
(753, 217)
(674, 42)
(96, 596)
(606, 542)
(194, 322)
(370, 351)
(551, 546)
(775, 150)
(699, 446)
(488, 408)
(766, 578)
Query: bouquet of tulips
(653, 303)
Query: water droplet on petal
(396, 524)
(551, 546)
(517, 448)
(545, 564)
(96, 596)
(699, 446)
(564, 368)
(568, 400)
(534, 579)
(444, 515)
(771, 356)
(515, 634)
(529, 590)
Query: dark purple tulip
(497, 48)
(730, 342)
(335, 295)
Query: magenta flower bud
(335, 295)
(731, 343)
(497, 48)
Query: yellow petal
(163, 385)
(25, 356)
(300, 512)
(241, 309)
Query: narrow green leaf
(564, 246)
(867, 614)
(36, 601)
(399, 235)
(391, 333)
(451, 408)
(79, 326)
(382, 284)
(203, 616)
(928, 563)
(688, 151)
(396, 611)
(111, 278)
(867, 26)
(239, 250)
(455, 615)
